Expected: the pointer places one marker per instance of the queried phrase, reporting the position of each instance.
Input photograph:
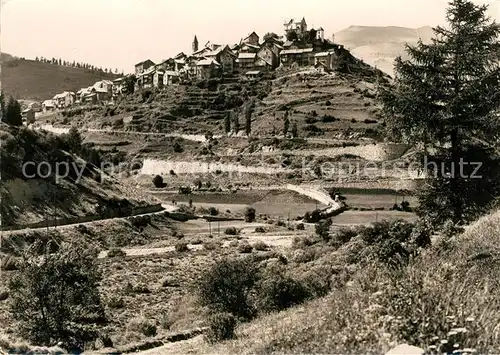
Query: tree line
(75, 64)
(10, 111)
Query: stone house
(170, 77)
(268, 56)
(246, 61)
(64, 99)
(48, 105)
(28, 116)
(301, 56)
(300, 27)
(207, 68)
(145, 79)
(225, 57)
(143, 66)
(252, 38)
(158, 78)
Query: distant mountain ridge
(379, 46)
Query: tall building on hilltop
(300, 27)
(195, 44)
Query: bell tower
(195, 44)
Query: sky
(120, 33)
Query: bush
(226, 287)
(300, 227)
(8, 263)
(178, 148)
(260, 245)
(116, 302)
(249, 214)
(231, 231)
(245, 248)
(181, 247)
(142, 326)
(221, 326)
(116, 252)
(212, 245)
(260, 230)
(312, 217)
(55, 296)
(146, 94)
(322, 229)
(328, 119)
(213, 211)
(158, 181)
(278, 292)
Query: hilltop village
(251, 57)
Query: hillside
(29, 79)
(28, 197)
(379, 46)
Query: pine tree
(13, 113)
(446, 100)
(227, 122)
(248, 118)
(295, 130)
(286, 125)
(236, 122)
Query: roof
(181, 54)
(180, 61)
(297, 51)
(250, 45)
(48, 103)
(147, 60)
(252, 72)
(64, 94)
(320, 29)
(117, 80)
(288, 44)
(201, 51)
(171, 72)
(27, 110)
(205, 62)
(246, 55)
(253, 33)
(322, 54)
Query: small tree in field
(158, 181)
(227, 122)
(12, 113)
(446, 100)
(250, 214)
(295, 130)
(54, 297)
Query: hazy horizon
(120, 33)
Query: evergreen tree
(295, 130)
(286, 125)
(227, 122)
(446, 100)
(248, 118)
(236, 122)
(13, 113)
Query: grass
(29, 79)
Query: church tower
(195, 44)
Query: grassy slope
(29, 79)
(32, 200)
(451, 285)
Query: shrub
(260, 230)
(158, 181)
(312, 217)
(4, 294)
(55, 296)
(300, 227)
(143, 326)
(328, 119)
(171, 172)
(245, 248)
(213, 211)
(181, 247)
(178, 148)
(260, 245)
(310, 120)
(231, 231)
(8, 263)
(116, 302)
(370, 121)
(212, 245)
(146, 94)
(221, 326)
(116, 252)
(249, 214)
(226, 287)
(322, 229)
(276, 292)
